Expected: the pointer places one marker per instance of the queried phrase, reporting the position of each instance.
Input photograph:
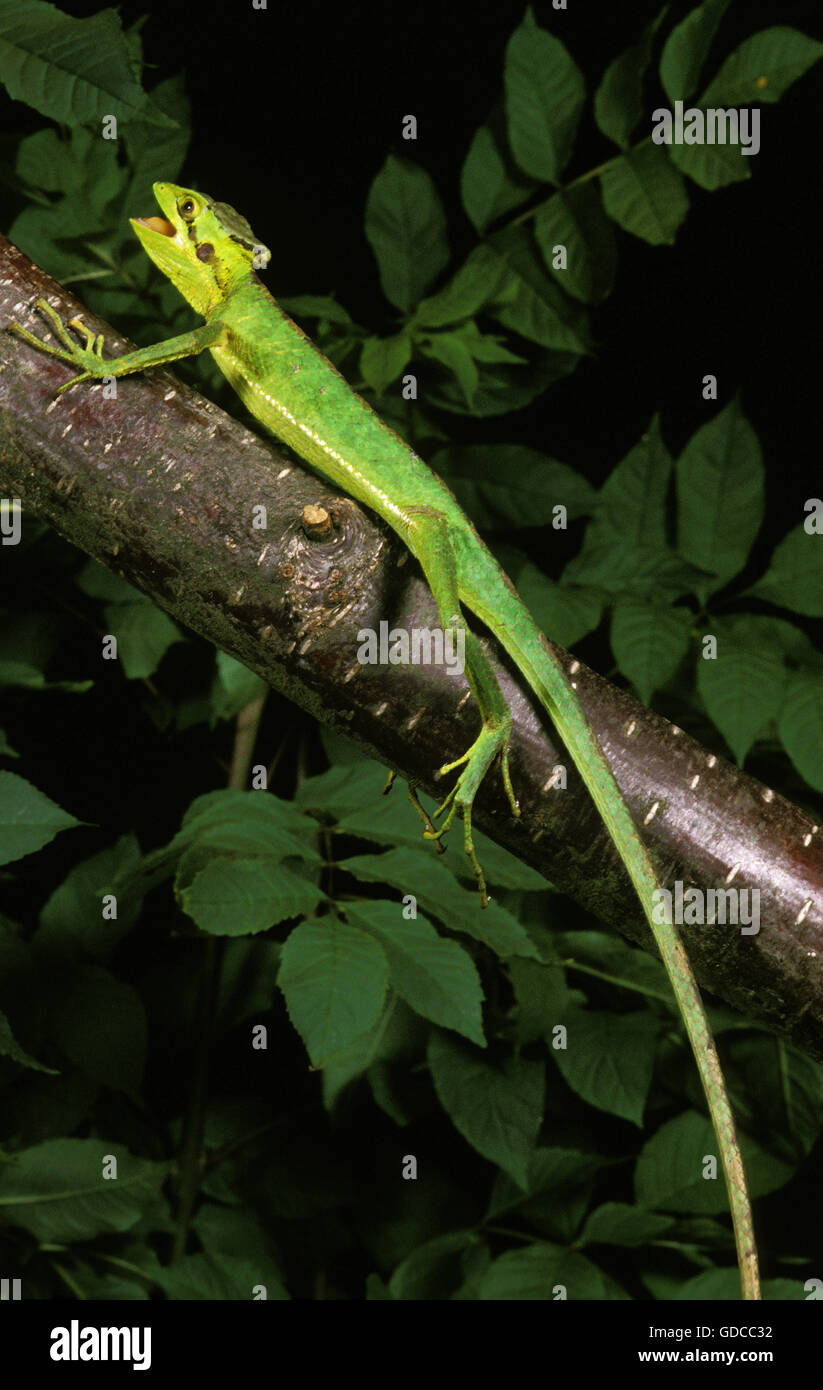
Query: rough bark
(162, 487)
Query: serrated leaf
(530, 303)
(334, 978)
(649, 641)
(711, 166)
(433, 1270)
(618, 101)
(406, 228)
(545, 94)
(564, 612)
(546, 1272)
(450, 349)
(512, 485)
(234, 688)
(742, 689)
(436, 977)
(203, 1278)
(383, 359)
(76, 71)
(625, 545)
(57, 1190)
(720, 493)
(101, 1027)
(419, 874)
(144, 634)
(794, 578)
(72, 916)
(574, 218)
(616, 1223)
(669, 1172)
(239, 897)
(763, 67)
(645, 195)
(800, 726)
(28, 819)
(497, 1108)
(469, 289)
(687, 47)
(609, 1060)
(487, 188)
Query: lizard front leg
(89, 356)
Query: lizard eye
(187, 208)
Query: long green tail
(551, 684)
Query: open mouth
(157, 224)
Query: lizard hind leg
(432, 545)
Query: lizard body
(210, 254)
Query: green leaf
(6, 750)
(230, 823)
(433, 1270)
(545, 94)
(794, 578)
(670, 1168)
(436, 977)
(574, 218)
(28, 819)
(720, 493)
(531, 304)
(711, 166)
(505, 388)
(607, 957)
(546, 1272)
(742, 688)
(487, 188)
(234, 688)
(649, 640)
(800, 726)
(564, 612)
(419, 874)
(10, 1047)
(144, 634)
(72, 917)
(497, 1108)
(383, 359)
(503, 485)
(625, 544)
(645, 195)
(101, 1027)
(393, 822)
(76, 71)
(452, 352)
(687, 48)
(316, 306)
(406, 228)
(58, 1191)
(616, 1223)
(763, 67)
(610, 1058)
(541, 998)
(239, 897)
(334, 978)
(472, 286)
(202, 1278)
(618, 101)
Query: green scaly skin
(210, 253)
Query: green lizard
(210, 254)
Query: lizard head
(202, 246)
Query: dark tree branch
(162, 487)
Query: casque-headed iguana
(210, 254)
